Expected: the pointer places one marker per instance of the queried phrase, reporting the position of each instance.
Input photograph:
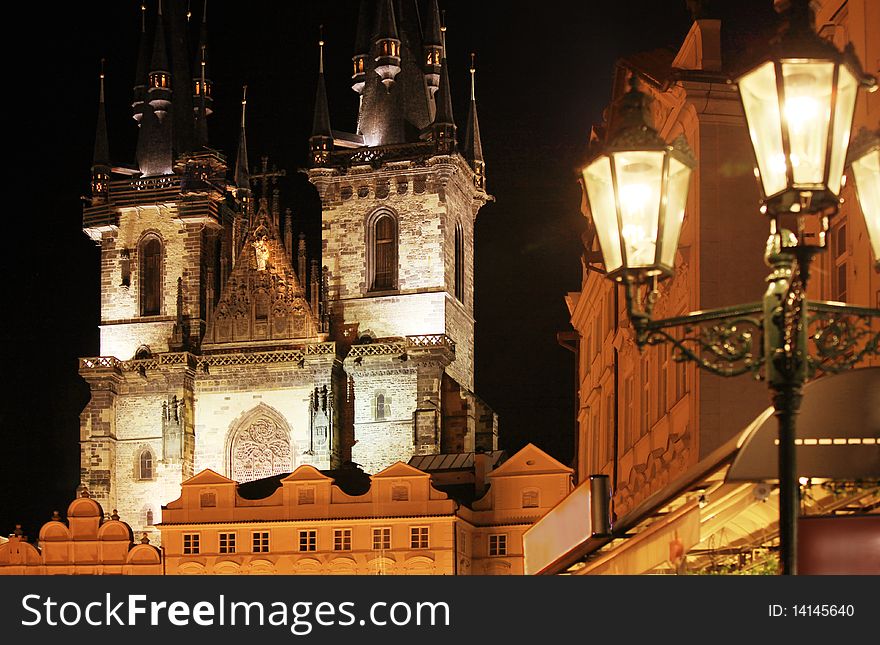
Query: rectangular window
(381, 539)
(530, 499)
(418, 537)
(190, 544)
(261, 541)
(399, 493)
(628, 417)
(839, 264)
(227, 543)
(662, 371)
(644, 407)
(498, 544)
(305, 495)
(308, 540)
(341, 540)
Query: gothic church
(223, 345)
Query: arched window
(459, 263)
(145, 465)
(150, 517)
(150, 255)
(383, 407)
(383, 262)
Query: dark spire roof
(102, 146)
(182, 108)
(140, 77)
(242, 174)
(386, 25)
(321, 120)
(432, 27)
(159, 62)
(473, 147)
(201, 52)
(362, 38)
(201, 69)
(444, 97)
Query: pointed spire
(101, 158)
(433, 28)
(321, 140)
(473, 146)
(202, 85)
(159, 61)
(386, 24)
(444, 123)
(102, 147)
(140, 76)
(242, 174)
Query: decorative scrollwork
(843, 336)
(728, 347)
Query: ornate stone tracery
(259, 446)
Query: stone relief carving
(261, 449)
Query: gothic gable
(262, 299)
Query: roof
(454, 461)
(352, 481)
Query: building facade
(667, 434)
(223, 346)
(87, 542)
(400, 521)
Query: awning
(659, 543)
(837, 433)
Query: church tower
(399, 197)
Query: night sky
(543, 77)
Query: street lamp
(799, 108)
(865, 164)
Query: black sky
(544, 74)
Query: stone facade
(219, 352)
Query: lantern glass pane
(807, 114)
(866, 171)
(761, 105)
(639, 182)
(676, 200)
(847, 87)
(600, 191)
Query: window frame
(419, 537)
(311, 540)
(260, 544)
(499, 548)
(192, 543)
(227, 543)
(342, 539)
(146, 277)
(373, 252)
(383, 533)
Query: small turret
(473, 146)
(387, 45)
(101, 160)
(433, 49)
(361, 49)
(202, 85)
(140, 78)
(242, 179)
(159, 77)
(443, 129)
(321, 141)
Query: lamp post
(799, 105)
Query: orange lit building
(88, 542)
(666, 433)
(464, 518)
